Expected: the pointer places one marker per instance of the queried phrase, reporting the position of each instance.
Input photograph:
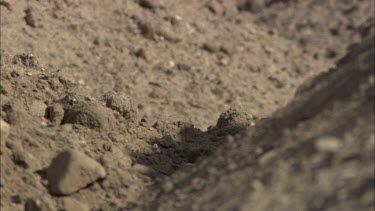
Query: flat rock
(71, 171)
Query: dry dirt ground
(187, 105)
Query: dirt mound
(41, 117)
(307, 156)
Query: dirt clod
(29, 17)
(38, 108)
(91, 114)
(29, 60)
(121, 103)
(66, 76)
(55, 113)
(235, 116)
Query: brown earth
(187, 105)
(311, 155)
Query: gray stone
(71, 171)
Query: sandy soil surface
(187, 105)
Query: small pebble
(327, 144)
(145, 170)
(81, 82)
(167, 186)
(229, 138)
(171, 64)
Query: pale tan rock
(70, 204)
(4, 129)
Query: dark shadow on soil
(172, 152)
